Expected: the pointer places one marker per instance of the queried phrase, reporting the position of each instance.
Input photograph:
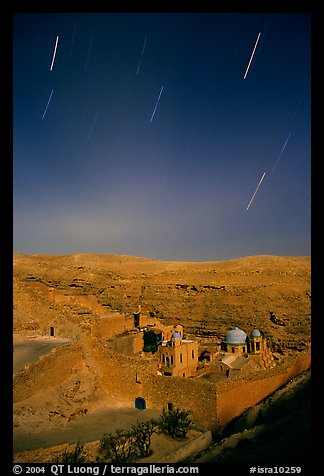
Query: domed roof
(235, 336)
(255, 333)
(175, 335)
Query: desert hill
(271, 293)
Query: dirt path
(91, 427)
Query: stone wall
(111, 324)
(195, 395)
(130, 343)
(212, 404)
(234, 396)
(124, 378)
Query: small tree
(142, 434)
(175, 423)
(151, 341)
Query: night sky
(145, 139)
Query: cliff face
(268, 292)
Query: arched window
(140, 403)
(181, 358)
(162, 358)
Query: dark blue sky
(94, 172)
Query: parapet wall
(234, 396)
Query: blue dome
(255, 333)
(175, 335)
(235, 336)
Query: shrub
(76, 456)
(116, 448)
(175, 423)
(125, 447)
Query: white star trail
(194, 132)
(72, 41)
(141, 57)
(54, 53)
(88, 53)
(49, 100)
(282, 151)
(256, 190)
(248, 66)
(156, 105)
(93, 125)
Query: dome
(175, 335)
(235, 336)
(255, 333)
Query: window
(140, 403)
(167, 361)
(181, 358)
(257, 345)
(171, 359)
(163, 358)
(233, 350)
(193, 353)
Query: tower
(256, 342)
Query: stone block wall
(235, 396)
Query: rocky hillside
(271, 293)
